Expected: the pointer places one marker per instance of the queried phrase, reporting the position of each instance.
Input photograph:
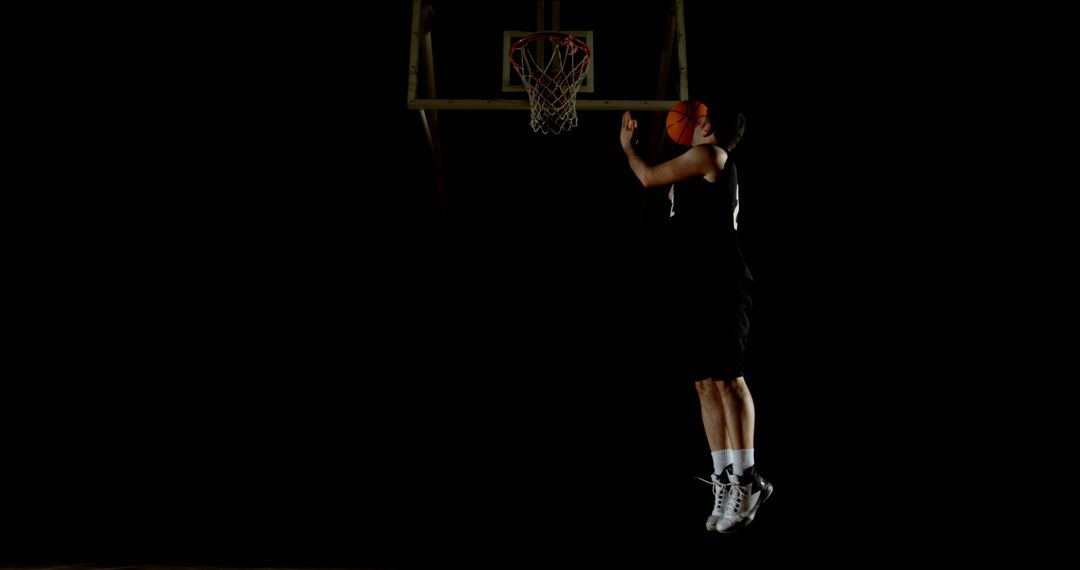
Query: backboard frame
(421, 67)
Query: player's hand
(626, 135)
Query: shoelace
(718, 490)
(739, 495)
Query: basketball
(681, 120)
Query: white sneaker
(744, 496)
(721, 486)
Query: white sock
(744, 459)
(721, 459)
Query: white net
(552, 82)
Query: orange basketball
(681, 120)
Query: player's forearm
(641, 170)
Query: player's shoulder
(714, 154)
(706, 150)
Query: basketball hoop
(553, 85)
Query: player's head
(726, 124)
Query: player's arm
(697, 161)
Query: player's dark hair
(728, 123)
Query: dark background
(261, 342)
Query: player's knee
(706, 387)
(735, 388)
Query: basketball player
(708, 304)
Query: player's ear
(706, 127)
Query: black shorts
(707, 327)
(704, 305)
(720, 357)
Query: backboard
(458, 55)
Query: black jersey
(698, 204)
(709, 278)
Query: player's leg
(712, 417)
(748, 489)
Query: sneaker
(721, 484)
(744, 496)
